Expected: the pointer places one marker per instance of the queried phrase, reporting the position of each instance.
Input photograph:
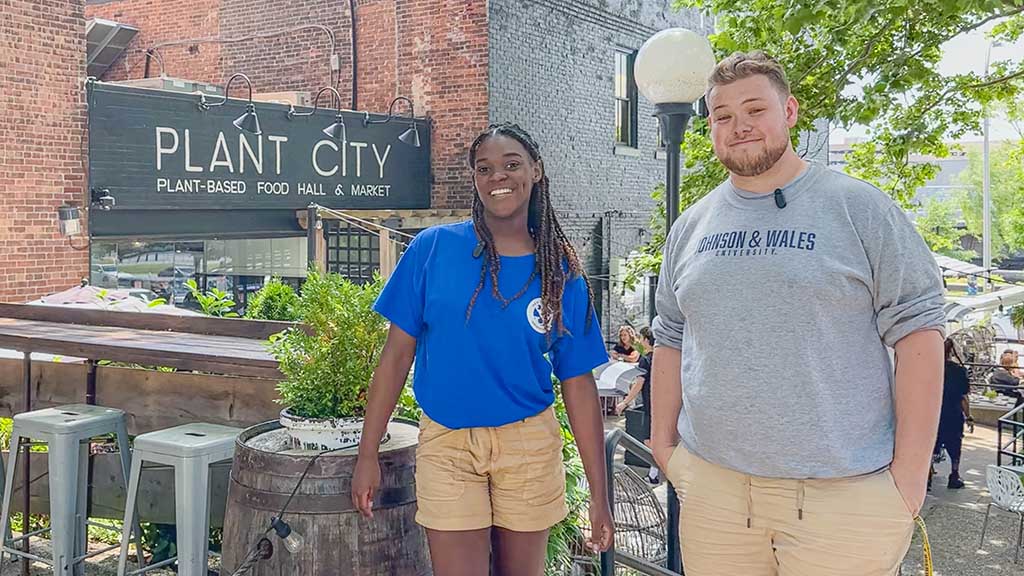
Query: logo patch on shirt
(533, 316)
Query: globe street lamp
(671, 71)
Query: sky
(960, 55)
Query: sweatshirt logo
(756, 242)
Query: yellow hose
(926, 547)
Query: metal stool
(190, 449)
(67, 430)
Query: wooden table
(186, 351)
(204, 344)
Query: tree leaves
(891, 50)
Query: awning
(954, 267)
(1006, 297)
(105, 42)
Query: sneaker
(955, 483)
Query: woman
(642, 387)
(625, 350)
(490, 309)
(1005, 377)
(955, 407)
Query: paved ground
(954, 519)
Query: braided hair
(556, 261)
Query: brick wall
(42, 156)
(160, 22)
(295, 60)
(443, 64)
(433, 51)
(552, 68)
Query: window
(160, 269)
(625, 100)
(351, 251)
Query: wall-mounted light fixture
(336, 130)
(69, 220)
(412, 134)
(248, 121)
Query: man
(810, 457)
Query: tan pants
(508, 476)
(738, 525)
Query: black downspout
(149, 56)
(355, 80)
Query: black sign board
(158, 150)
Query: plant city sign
(157, 150)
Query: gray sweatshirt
(783, 316)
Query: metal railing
(1010, 437)
(613, 439)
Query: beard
(755, 165)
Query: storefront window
(238, 267)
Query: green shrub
(275, 301)
(327, 373)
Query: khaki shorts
(735, 524)
(509, 476)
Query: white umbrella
(93, 298)
(616, 378)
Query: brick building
(42, 158)
(560, 68)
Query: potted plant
(327, 369)
(1017, 319)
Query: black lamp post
(673, 117)
(671, 71)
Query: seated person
(1018, 372)
(1004, 376)
(625, 350)
(642, 387)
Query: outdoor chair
(190, 449)
(1007, 494)
(67, 430)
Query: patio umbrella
(615, 378)
(83, 295)
(93, 298)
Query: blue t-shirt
(493, 369)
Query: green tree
(891, 50)
(939, 227)
(1006, 173)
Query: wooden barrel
(338, 541)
